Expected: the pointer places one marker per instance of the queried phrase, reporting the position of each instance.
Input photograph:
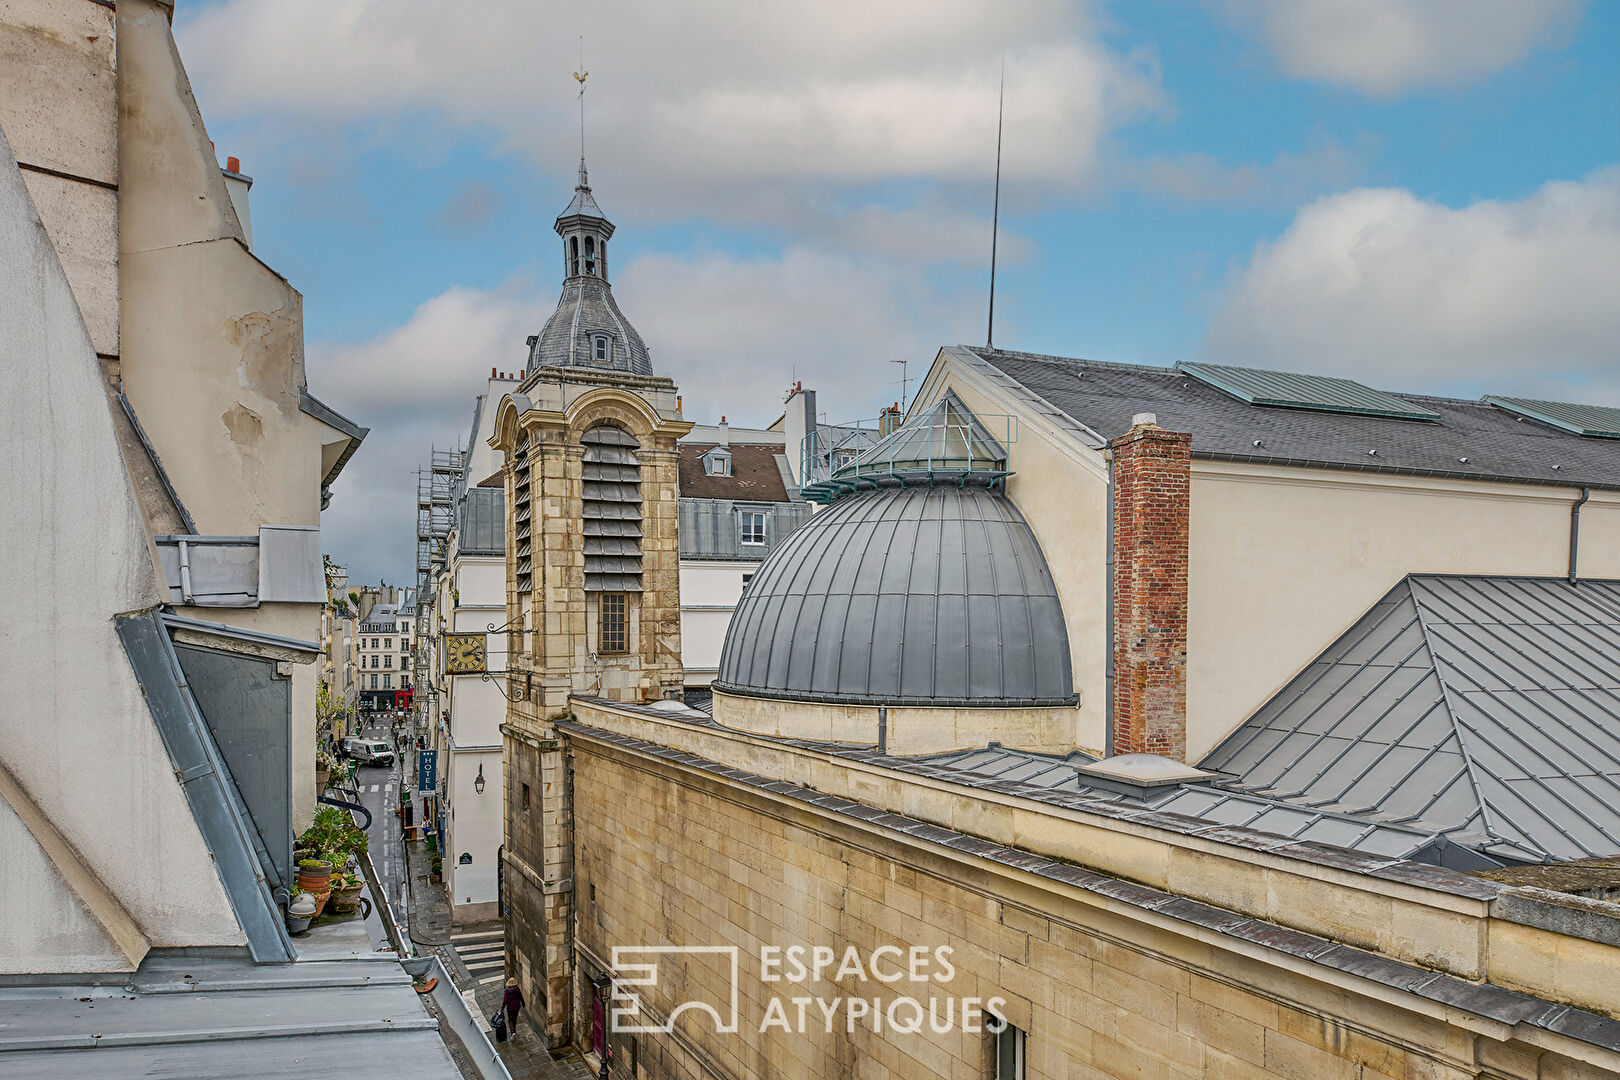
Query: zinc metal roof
(1485, 708)
(1471, 440)
(927, 595)
(1059, 777)
(221, 1016)
(1592, 420)
(1288, 390)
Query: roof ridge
(1470, 768)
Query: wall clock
(465, 654)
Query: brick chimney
(1152, 486)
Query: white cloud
(1387, 287)
(838, 92)
(1384, 47)
(733, 332)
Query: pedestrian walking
(512, 1001)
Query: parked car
(368, 751)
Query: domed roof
(587, 330)
(904, 595)
(585, 313)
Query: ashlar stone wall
(669, 855)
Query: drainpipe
(883, 729)
(1575, 532)
(1108, 619)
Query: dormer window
(717, 462)
(601, 345)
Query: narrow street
(473, 954)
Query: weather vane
(580, 76)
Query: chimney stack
(1152, 489)
(725, 432)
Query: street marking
(374, 788)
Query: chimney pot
(492, 373)
(1143, 419)
(233, 164)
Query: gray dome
(585, 312)
(904, 595)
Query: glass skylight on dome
(1593, 421)
(945, 442)
(1321, 393)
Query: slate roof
(586, 307)
(1483, 708)
(755, 475)
(1100, 399)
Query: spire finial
(580, 76)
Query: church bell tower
(592, 579)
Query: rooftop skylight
(1319, 393)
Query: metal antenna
(904, 383)
(995, 213)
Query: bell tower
(592, 575)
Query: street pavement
(474, 955)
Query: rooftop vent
(1137, 774)
(1592, 421)
(1320, 393)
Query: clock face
(465, 654)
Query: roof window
(1318, 393)
(717, 462)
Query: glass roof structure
(946, 442)
(1593, 421)
(1321, 393)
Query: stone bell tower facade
(592, 576)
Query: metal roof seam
(1342, 645)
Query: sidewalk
(525, 1052)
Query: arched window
(590, 255)
(573, 246)
(601, 348)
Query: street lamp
(478, 781)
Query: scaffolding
(436, 484)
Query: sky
(1421, 194)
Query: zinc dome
(905, 593)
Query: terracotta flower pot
(347, 899)
(315, 879)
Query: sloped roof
(1485, 708)
(755, 476)
(1055, 778)
(1471, 440)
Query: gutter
(1575, 533)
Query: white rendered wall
(709, 595)
(74, 728)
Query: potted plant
(346, 890)
(315, 878)
(438, 870)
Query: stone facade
(1104, 984)
(1152, 484)
(552, 633)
